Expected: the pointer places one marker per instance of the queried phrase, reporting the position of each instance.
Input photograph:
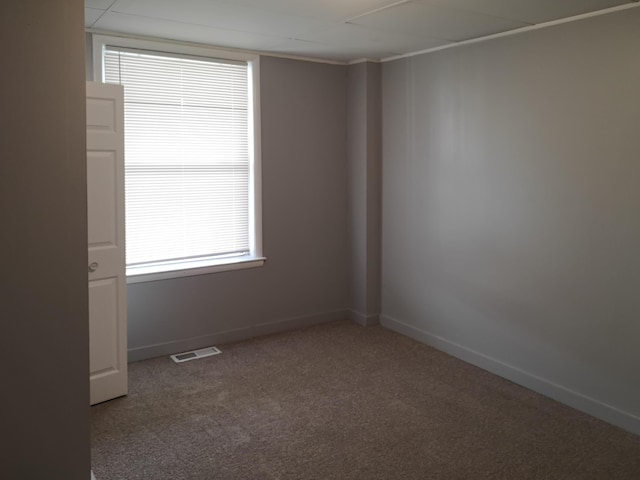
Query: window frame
(203, 266)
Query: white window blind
(186, 156)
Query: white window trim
(213, 265)
(199, 267)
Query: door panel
(103, 319)
(102, 175)
(107, 281)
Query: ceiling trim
(362, 60)
(517, 31)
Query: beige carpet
(339, 401)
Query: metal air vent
(194, 354)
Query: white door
(107, 281)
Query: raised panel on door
(102, 200)
(103, 315)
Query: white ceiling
(338, 30)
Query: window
(191, 157)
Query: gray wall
(88, 61)
(364, 183)
(511, 208)
(43, 286)
(304, 280)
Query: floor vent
(194, 354)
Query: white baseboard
(364, 320)
(168, 348)
(574, 399)
(93, 477)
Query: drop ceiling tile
(98, 4)
(137, 25)
(437, 22)
(214, 13)
(359, 37)
(337, 52)
(333, 10)
(338, 29)
(530, 11)
(91, 15)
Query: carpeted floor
(339, 401)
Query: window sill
(190, 269)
